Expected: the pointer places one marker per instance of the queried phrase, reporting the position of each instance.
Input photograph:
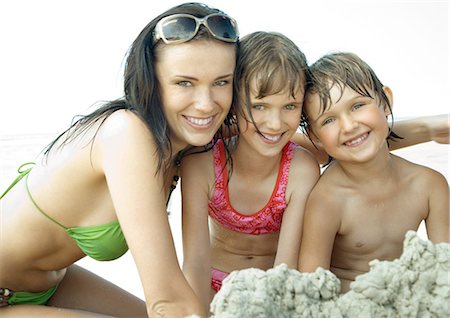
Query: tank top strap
(286, 158)
(220, 168)
(23, 170)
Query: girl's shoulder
(198, 157)
(304, 161)
(198, 164)
(304, 172)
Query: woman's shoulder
(124, 130)
(124, 133)
(123, 121)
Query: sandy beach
(18, 149)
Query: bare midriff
(233, 250)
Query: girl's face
(276, 116)
(353, 129)
(195, 81)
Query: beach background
(58, 58)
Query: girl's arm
(422, 129)
(124, 151)
(196, 171)
(413, 131)
(303, 175)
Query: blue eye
(291, 107)
(258, 107)
(184, 83)
(327, 121)
(357, 106)
(221, 83)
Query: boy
(367, 198)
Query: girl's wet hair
(141, 92)
(274, 62)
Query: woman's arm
(197, 174)
(124, 151)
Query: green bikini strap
(23, 171)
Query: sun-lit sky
(57, 58)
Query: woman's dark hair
(141, 92)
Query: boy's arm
(303, 175)
(319, 230)
(196, 242)
(437, 221)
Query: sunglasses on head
(178, 28)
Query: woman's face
(196, 86)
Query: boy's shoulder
(331, 187)
(328, 184)
(418, 173)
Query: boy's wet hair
(274, 61)
(343, 70)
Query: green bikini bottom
(38, 298)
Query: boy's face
(276, 116)
(353, 129)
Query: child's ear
(387, 90)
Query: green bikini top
(101, 242)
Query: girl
(266, 181)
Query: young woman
(103, 185)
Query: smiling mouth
(356, 141)
(199, 122)
(272, 138)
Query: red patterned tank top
(268, 219)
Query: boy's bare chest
(376, 224)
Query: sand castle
(415, 285)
